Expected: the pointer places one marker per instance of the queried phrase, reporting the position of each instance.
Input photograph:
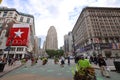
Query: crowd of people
(81, 62)
(9, 60)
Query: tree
(60, 52)
(56, 53)
(51, 53)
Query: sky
(62, 14)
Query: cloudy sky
(59, 13)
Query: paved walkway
(112, 68)
(37, 72)
(10, 68)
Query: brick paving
(112, 68)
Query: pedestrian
(1, 60)
(68, 60)
(103, 66)
(32, 61)
(91, 59)
(4, 59)
(76, 59)
(95, 60)
(62, 61)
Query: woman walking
(102, 65)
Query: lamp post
(9, 48)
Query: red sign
(18, 36)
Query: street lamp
(9, 47)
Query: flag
(18, 36)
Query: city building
(37, 46)
(39, 43)
(97, 31)
(62, 48)
(68, 42)
(9, 17)
(51, 39)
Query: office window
(21, 19)
(28, 20)
(12, 49)
(5, 13)
(15, 18)
(10, 12)
(19, 49)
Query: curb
(10, 70)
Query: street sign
(7, 48)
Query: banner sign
(18, 36)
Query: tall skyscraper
(39, 43)
(51, 39)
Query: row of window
(15, 17)
(112, 20)
(104, 12)
(101, 40)
(17, 49)
(105, 34)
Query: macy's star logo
(18, 33)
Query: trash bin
(117, 66)
(2, 65)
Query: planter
(117, 66)
(86, 74)
(56, 62)
(2, 65)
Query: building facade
(37, 46)
(68, 42)
(51, 39)
(39, 43)
(9, 17)
(97, 31)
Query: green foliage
(53, 53)
(60, 52)
(56, 59)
